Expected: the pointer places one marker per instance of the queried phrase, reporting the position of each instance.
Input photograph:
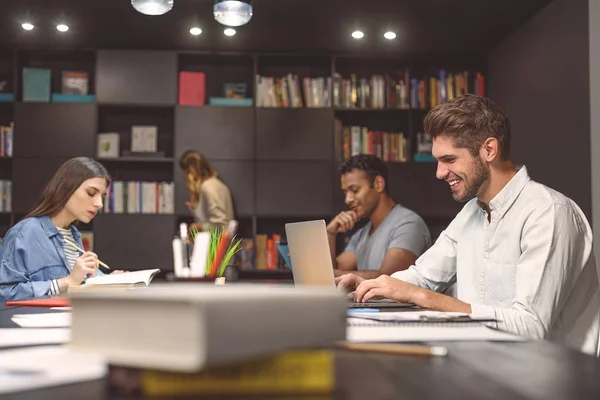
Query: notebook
(366, 330)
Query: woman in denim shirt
(34, 260)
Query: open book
(124, 280)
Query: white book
(169, 197)
(118, 197)
(135, 278)
(132, 197)
(148, 198)
(183, 327)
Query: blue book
(7, 97)
(424, 157)
(225, 102)
(73, 98)
(36, 84)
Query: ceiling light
(233, 12)
(229, 32)
(358, 35)
(389, 35)
(27, 26)
(152, 7)
(195, 31)
(62, 27)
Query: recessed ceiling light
(27, 26)
(229, 32)
(389, 35)
(195, 31)
(62, 27)
(358, 35)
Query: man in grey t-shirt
(393, 238)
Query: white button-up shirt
(531, 266)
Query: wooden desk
(473, 370)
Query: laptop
(310, 260)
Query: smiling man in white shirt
(519, 251)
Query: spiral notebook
(368, 330)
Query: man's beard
(472, 185)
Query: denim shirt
(31, 256)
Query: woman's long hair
(65, 182)
(197, 168)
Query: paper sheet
(38, 367)
(14, 337)
(362, 330)
(44, 320)
(404, 315)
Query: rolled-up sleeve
(555, 251)
(436, 268)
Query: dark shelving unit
(281, 164)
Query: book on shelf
(75, 82)
(6, 140)
(233, 90)
(374, 92)
(388, 146)
(87, 239)
(6, 188)
(192, 88)
(137, 197)
(292, 91)
(428, 92)
(36, 85)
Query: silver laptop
(311, 259)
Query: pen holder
(214, 250)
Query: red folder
(48, 302)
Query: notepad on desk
(117, 281)
(369, 330)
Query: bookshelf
(279, 163)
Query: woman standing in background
(210, 200)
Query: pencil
(388, 348)
(83, 251)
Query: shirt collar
(51, 230)
(509, 193)
(48, 226)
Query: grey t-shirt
(401, 229)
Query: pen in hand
(83, 251)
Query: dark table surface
(471, 370)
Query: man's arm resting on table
(394, 260)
